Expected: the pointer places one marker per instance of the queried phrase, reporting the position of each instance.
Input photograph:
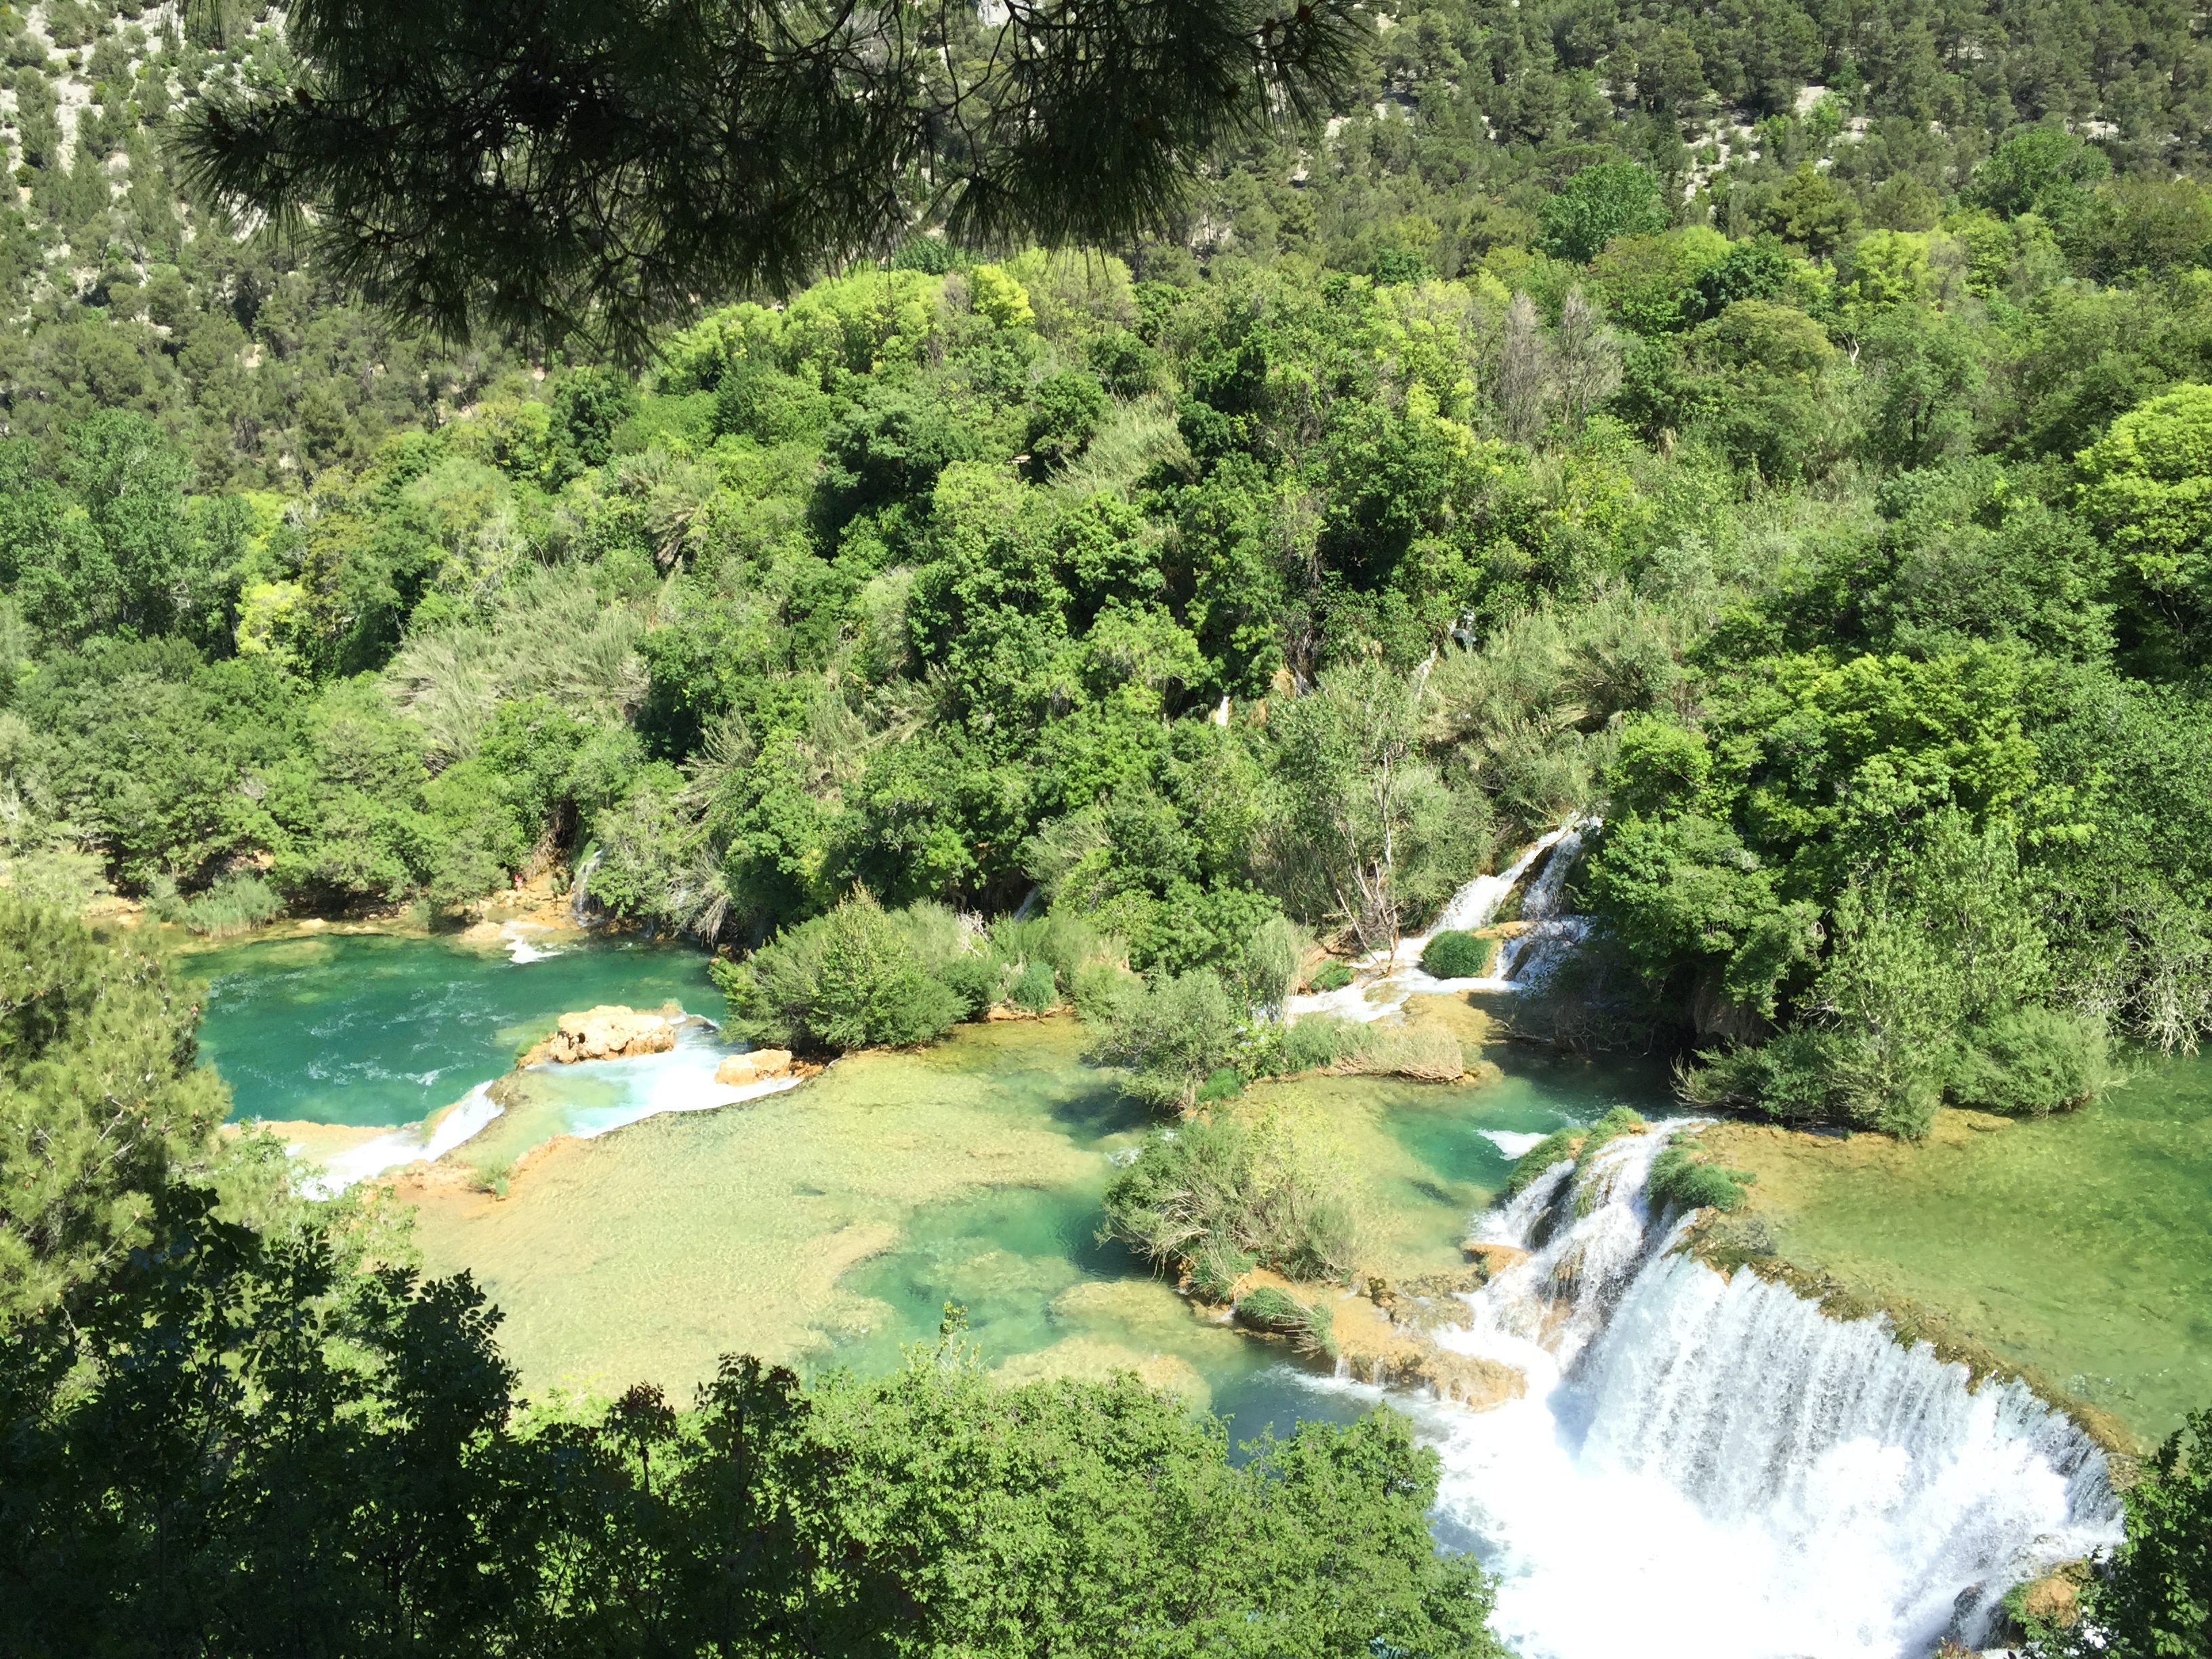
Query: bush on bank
(861, 975)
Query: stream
(1700, 1466)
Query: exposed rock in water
(757, 1067)
(1493, 1258)
(1384, 1337)
(609, 1031)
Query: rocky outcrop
(757, 1067)
(1384, 1337)
(609, 1032)
(1492, 1259)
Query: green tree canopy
(595, 164)
(101, 1102)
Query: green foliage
(102, 1106)
(1613, 199)
(1035, 988)
(1217, 1191)
(1935, 989)
(857, 977)
(1558, 1147)
(1523, 462)
(2144, 488)
(1681, 1177)
(1311, 1327)
(1171, 1036)
(1331, 975)
(2154, 1594)
(237, 1400)
(1455, 955)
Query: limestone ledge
(609, 1031)
(1386, 1333)
(1745, 1240)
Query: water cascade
(1528, 959)
(1384, 979)
(1709, 1465)
(579, 904)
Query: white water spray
(579, 903)
(1384, 979)
(1709, 1466)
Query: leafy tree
(102, 1107)
(2039, 169)
(858, 976)
(1597, 203)
(2154, 1594)
(1066, 132)
(2147, 488)
(243, 1439)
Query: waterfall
(1387, 977)
(1710, 1466)
(580, 890)
(1528, 960)
(1474, 905)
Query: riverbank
(2074, 1250)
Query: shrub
(1224, 1084)
(233, 905)
(1171, 1036)
(1679, 1175)
(1220, 1196)
(1455, 955)
(858, 976)
(2153, 1595)
(1306, 1045)
(1312, 1327)
(1428, 1053)
(1268, 1308)
(1331, 975)
(1558, 1147)
(1035, 988)
(2036, 1060)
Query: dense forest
(1773, 436)
(1778, 436)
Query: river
(1700, 1466)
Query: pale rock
(609, 1032)
(738, 1070)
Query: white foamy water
(1710, 1468)
(594, 1097)
(606, 1094)
(1513, 1142)
(414, 1144)
(1384, 979)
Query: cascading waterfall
(1709, 1466)
(1387, 977)
(579, 903)
(1530, 959)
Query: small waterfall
(580, 895)
(1474, 905)
(1710, 1466)
(1528, 960)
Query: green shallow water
(2079, 1245)
(365, 1029)
(830, 1224)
